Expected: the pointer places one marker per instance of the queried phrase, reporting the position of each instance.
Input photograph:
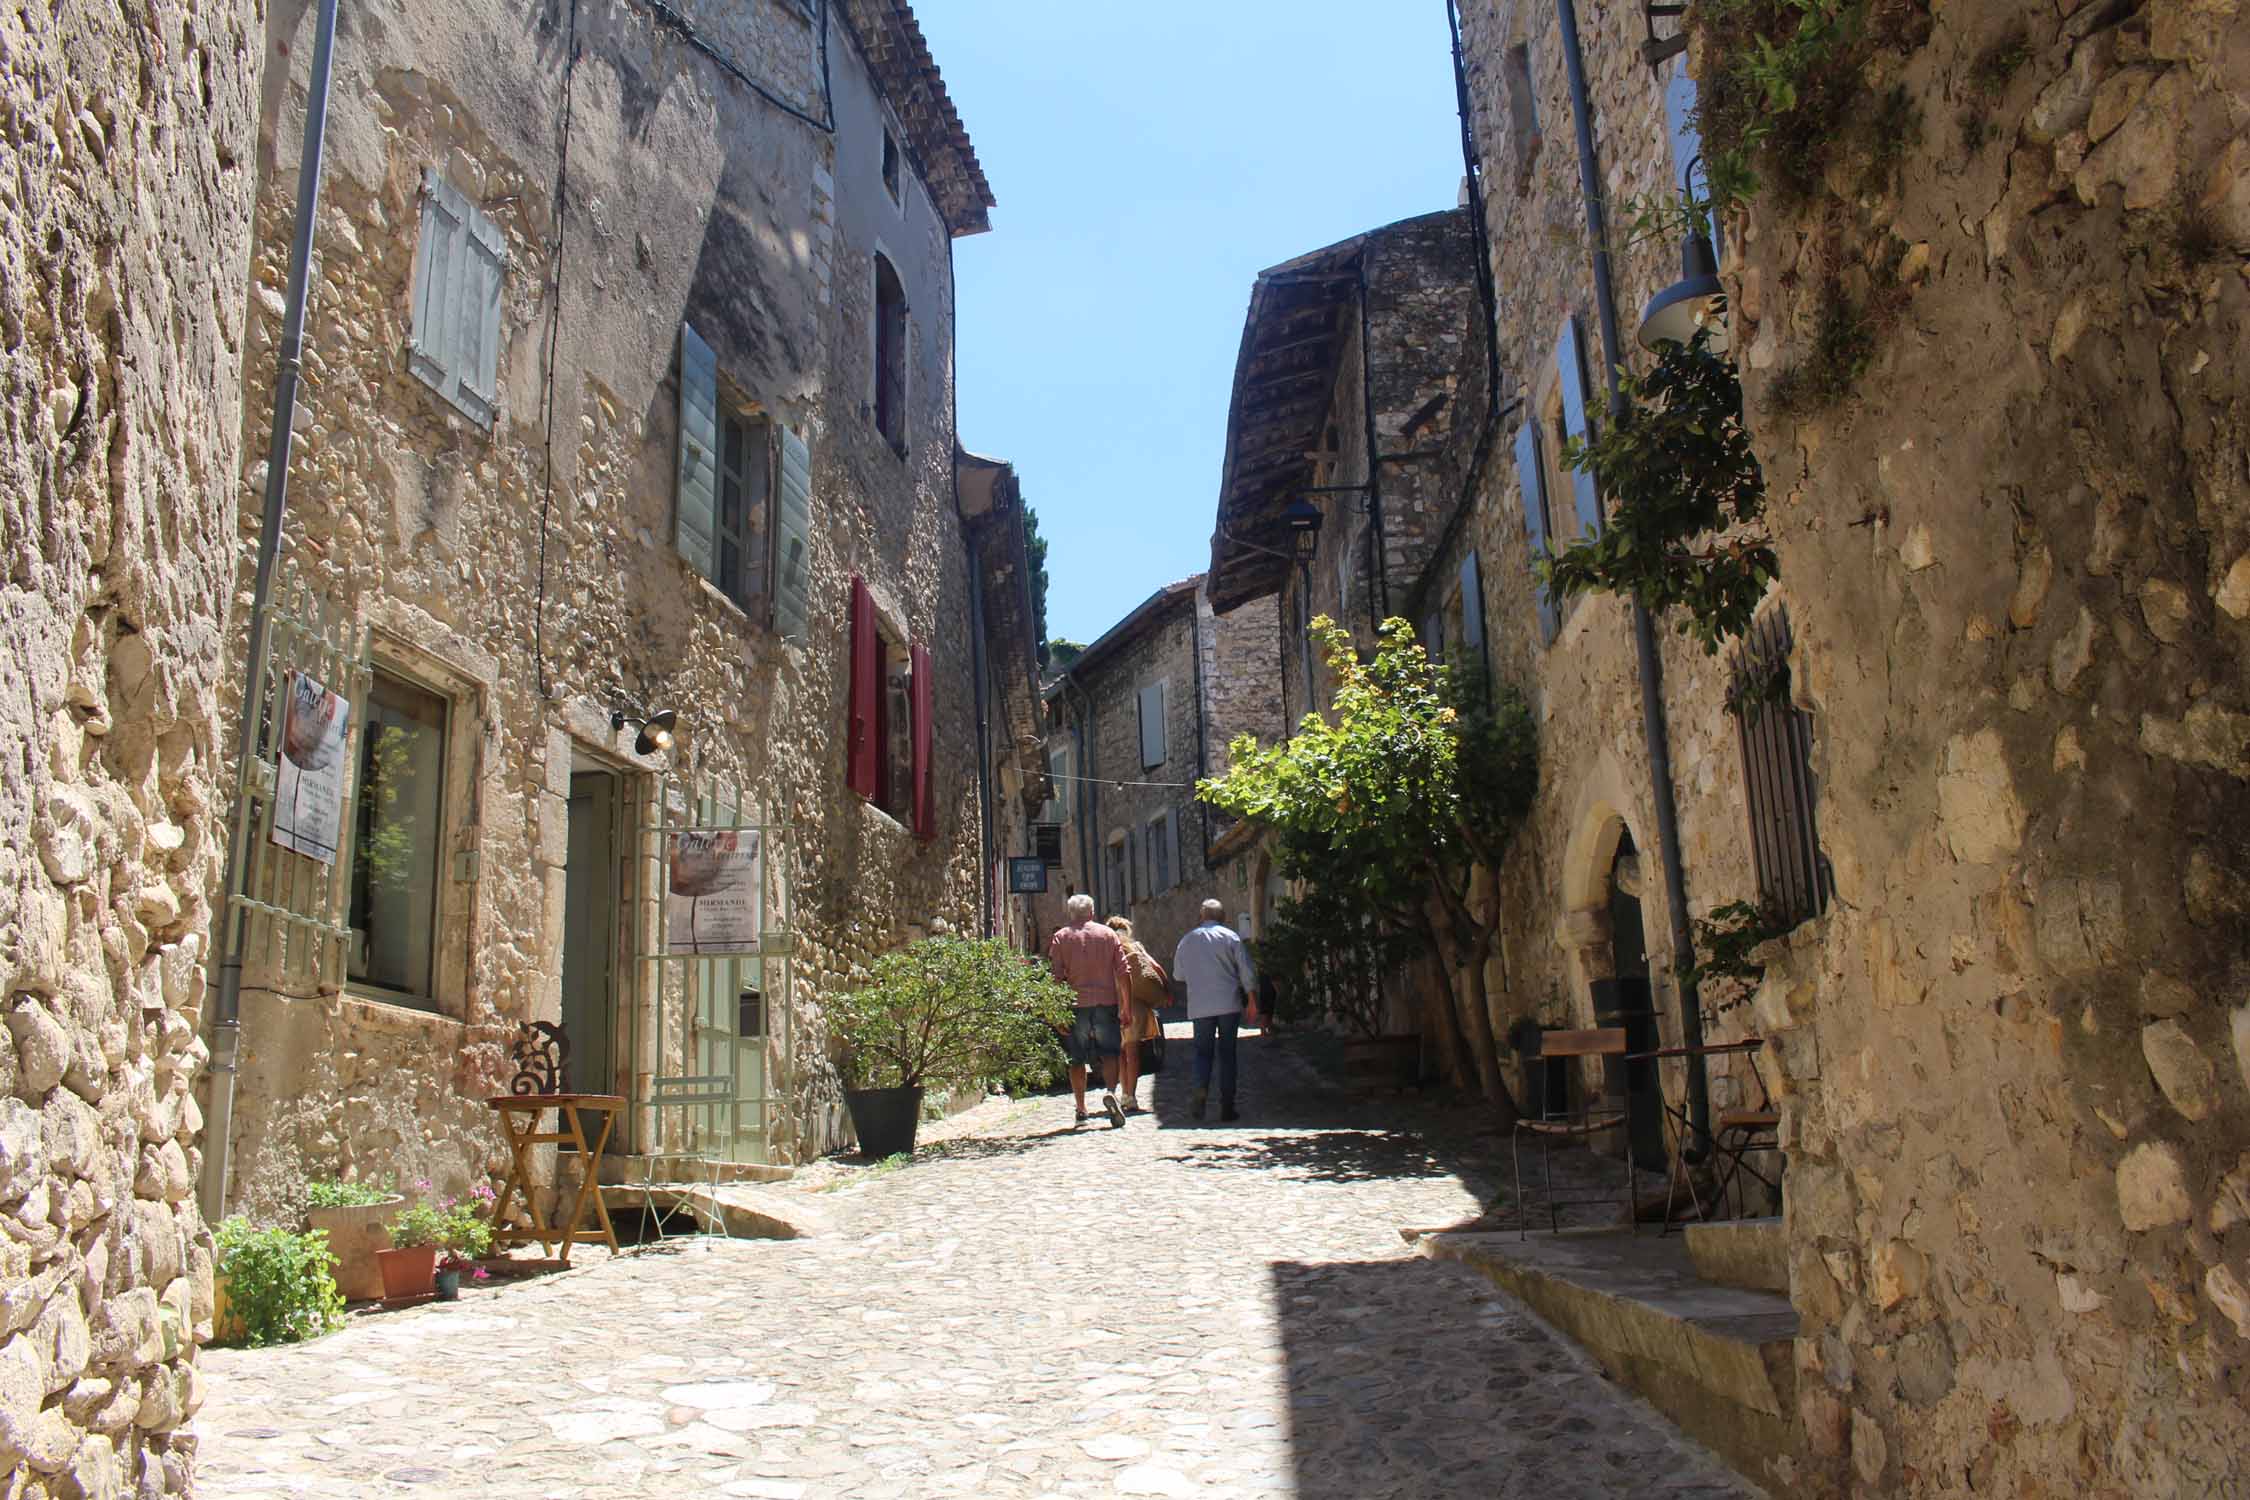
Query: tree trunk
(1464, 983)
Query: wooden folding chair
(1594, 1114)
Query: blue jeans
(1214, 1042)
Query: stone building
(2013, 1080)
(1145, 711)
(630, 392)
(123, 230)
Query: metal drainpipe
(226, 1018)
(1378, 568)
(1653, 729)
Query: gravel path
(1172, 1309)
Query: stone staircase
(1698, 1324)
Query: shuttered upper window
(1152, 724)
(890, 355)
(459, 265)
(890, 733)
(1794, 880)
(1531, 477)
(1163, 845)
(727, 524)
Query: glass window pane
(398, 837)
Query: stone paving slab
(1177, 1309)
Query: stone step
(1749, 1253)
(1718, 1360)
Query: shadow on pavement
(1405, 1378)
(1330, 1155)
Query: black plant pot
(885, 1119)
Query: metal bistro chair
(1592, 1116)
(712, 1096)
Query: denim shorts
(1093, 1035)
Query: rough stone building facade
(123, 230)
(630, 364)
(2011, 1062)
(1143, 713)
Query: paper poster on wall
(715, 878)
(308, 800)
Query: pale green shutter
(1472, 614)
(1533, 483)
(437, 272)
(792, 570)
(484, 258)
(697, 489)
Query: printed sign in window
(716, 876)
(308, 807)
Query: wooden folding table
(519, 1119)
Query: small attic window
(890, 163)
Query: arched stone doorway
(1605, 883)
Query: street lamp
(656, 729)
(1303, 520)
(1697, 302)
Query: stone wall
(122, 232)
(2016, 551)
(529, 572)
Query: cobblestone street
(1167, 1310)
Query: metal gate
(717, 1025)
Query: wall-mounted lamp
(1303, 521)
(656, 729)
(1697, 302)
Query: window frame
(1157, 836)
(890, 328)
(428, 996)
(753, 544)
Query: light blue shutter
(1528, 476)
(477, 367)
(792, 539)
(697, 490)
(1172, 821)
(1472, 615)
(1570, 360)
(1433, 634)
(438, 256)
(1152, 726)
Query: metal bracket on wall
(1659, 50)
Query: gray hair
(1080, 907)
(1214, 911)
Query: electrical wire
(1111, 781)
(679, 25)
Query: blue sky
(1149, 160)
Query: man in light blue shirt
(1213, 964)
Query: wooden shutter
(1433, 635)
(1152, 725)
(478, 371)
(430, 351)
(1172, 818)
(1530, 478)
(1472, 615)
(918, 687)
(792, 533)
(863, 765)
(695, 512)
(458, 269)
(1570, 360)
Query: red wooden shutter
(864, 749)
(925, 784)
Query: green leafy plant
(1391, 805)
(951, 1011)
(1778, 91)
(1843, 347)
(1687, 500)
(329, 1193)
(1327, 952)
(279, 1282)
(418, 1225)
(1721, 969)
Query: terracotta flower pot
(354, 1235)
(227, 1326)
(408, 1273)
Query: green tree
(1061, 654)
(1419, 778)
(1035, 552)
(950, 1012)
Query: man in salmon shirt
(1090, 958)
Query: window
(397, 841)
(1047, 842)
(1531, 479)
(1056, 809)
(1553, 434)
(1160, 835)
(890, 163)
(1152, 705)
(890, 355)
(1115, 873)
(1570, 382)
(725, 521)
(1793, 876)
(888, 755)
(459, 264)
(1523, 112)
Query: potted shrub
(945, 1012)
(409, 1266)
(464, 1239)
(272, 1286)
(354, 1216)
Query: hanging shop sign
(308, 803)
(715, 879)
(1027, 875)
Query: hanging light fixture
(1697, 302)
(656, 729)
(1303, 520)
